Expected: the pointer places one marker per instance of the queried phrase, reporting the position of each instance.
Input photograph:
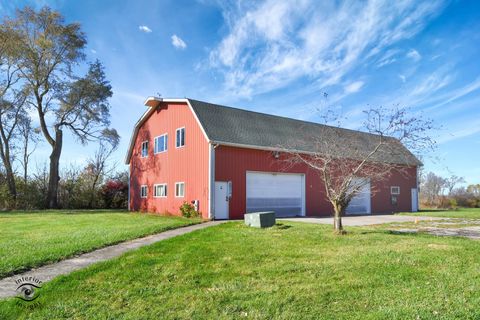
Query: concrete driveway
(361, 220)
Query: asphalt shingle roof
(237, 126)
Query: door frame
(304, 183)
(215, 200)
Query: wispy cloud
(354, 87)
(178, 43)
(276, 42)
(414, 55)
(144, 29)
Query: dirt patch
(466, 232)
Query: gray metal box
(260, 219)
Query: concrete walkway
(362, 220)
(48, 272)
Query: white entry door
(221, 200)
(414, 200)
(279, 192)
(360, 204)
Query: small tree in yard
(345, 161)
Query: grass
(32, 239)
(291, 271)
(469, 213)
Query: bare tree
(451, 182)
(346, 161)
(431, 188)
(51, 52)
(11, 103)
(29, 139)
(98, 166)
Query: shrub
(188, 210)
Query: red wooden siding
(231, 164)
(188, 164)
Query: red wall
(232, 163)
(188, 164)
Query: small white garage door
(279, 192)
(360, 204)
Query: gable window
(180, 142)
(161, 143)
(395, 190)
(179, 189)
(144, 149)
(160, 190)
(143, 191)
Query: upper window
(161, 143)
(144, 149)
(180, 137)
(179, 189)
(143, 191)
(395, 190)
(160, 190)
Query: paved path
(48, 272)
(362, 220)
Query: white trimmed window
(143, 191)
(395, 190)
(179, 189)
(160, 190)
(161, 143)
(180, 134)
(144, 149)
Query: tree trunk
(337, 219)
(54, 176)
(12, 188)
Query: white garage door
(360, 204)
(282, 193)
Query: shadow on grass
(282, 226)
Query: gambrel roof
(248, 129)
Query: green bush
(188, 210)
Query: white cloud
(414, 55)
(93, 51)
(433, 82)
(402, 77)
(354, 87)
(274, 43)
(144, 29)
(178, 43)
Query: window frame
(176, 137)
(142, 187)
(176, 189)
(155, 190)
(165, 143)
(141, 149)
(395, 188)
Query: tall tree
(11, 103)
(346, 164)
(52, 51)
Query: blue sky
(280, 56)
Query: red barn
(226, 159)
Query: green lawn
(292, 271)
(470, 213)
(31, 239)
